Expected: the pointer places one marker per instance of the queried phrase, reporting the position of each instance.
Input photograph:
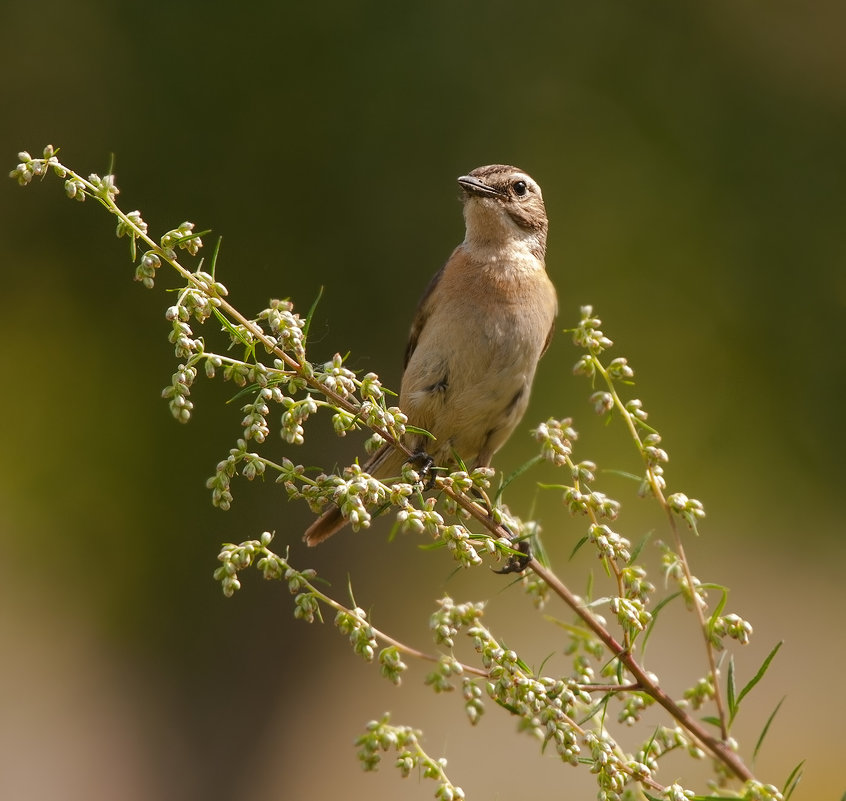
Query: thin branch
(647, 682)
(659, 496)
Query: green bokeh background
(692, 158)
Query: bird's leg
(516, 562)
(425, 466)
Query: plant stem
(659, 496)
(646, 682)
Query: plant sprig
(266, 358)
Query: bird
(481, 326)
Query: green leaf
(793, 779)
(721, 604)
(766, 729)
(350, 590)
(648, 745)
(431, 546)
(622, 474)
(731, 690)
(760, 674)
(605, 599)
(510, 707)
(712, 719)
(310, 314)
(516, 474)
(541, 666)
(711, 585)
(235, 333)
(658, 607)
(458, 460)
(571, 628)
(539, 551)
(243, 392)
(578, 545)
(714, 798)
(600, 705)
(421, 431)
(191, 235)
(522, 665)
(215, 254)
(639, 547)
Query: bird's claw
(518, 562)
(424, 465)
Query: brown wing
(548, 337)
(421, 316)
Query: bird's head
(503, 206)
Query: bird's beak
(473, 186)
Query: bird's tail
(387, 461)
(325, 526)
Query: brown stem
(647, 683)
(659, 495)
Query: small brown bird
(481, 326)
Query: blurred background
(692, 159)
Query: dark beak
(473, 186)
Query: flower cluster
(546, 706)
(556, 439)
(29, 167)
(450, 618)
(381, 736)
(354, 624)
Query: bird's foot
(519, 561)
(425, 467)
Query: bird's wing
(548, 337)
(421, 316)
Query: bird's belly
(471, 398)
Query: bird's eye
(520, 188)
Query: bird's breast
(475, 358)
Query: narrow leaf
(578, 545)
(731, 690)
(576, 631)
(458, 460)
(714, 798)
(542, 664)
(235, 333)
(247, 391)
(639, 547)
(600, 705)
(658, 607)
(311, 311)
(766, 729)
(794, 778)
(648, 746)
(517, 473)
(216, 253)
(622, 474)
(760, 674)
(421, 431)
(721, 604)
(539, 551)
